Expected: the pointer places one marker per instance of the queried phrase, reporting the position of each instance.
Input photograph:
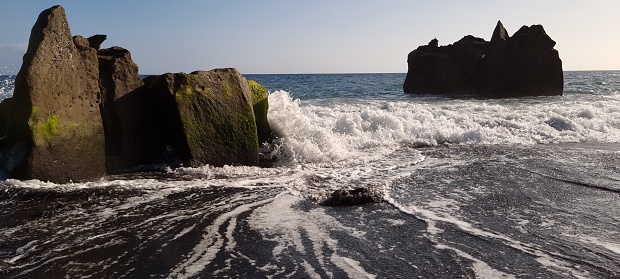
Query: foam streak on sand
(213, 241)
(289, 228)
(482, 269)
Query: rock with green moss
(54, 128)
(204, 117)
(260, 103)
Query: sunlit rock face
(204, 117)
(55, 132)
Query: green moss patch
(45, 130)
(258, 91)
(260, 105)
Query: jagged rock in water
(54, 126)
(444, 69)
(525, 64)
(357, 196)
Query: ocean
(473, 188)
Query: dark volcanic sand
(528, 211)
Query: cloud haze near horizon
(278, 36)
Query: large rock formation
(445, 69)
(79, 112)
(204, 117)
(54, 126)
(525, 64)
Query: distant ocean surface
(474, 188)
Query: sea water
(6, 86)
(508, 188)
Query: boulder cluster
(79, 111)
(525, 64)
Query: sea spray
(7, 83)
(342, 131)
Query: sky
(318, 36)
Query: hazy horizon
(318, 37)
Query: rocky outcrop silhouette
(525, 64)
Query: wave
(344, 131)
(369, 142)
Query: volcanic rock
(204, 117)
(4, 108)
(525, 64)
(260, 105)
(54, 129)
(79, 112)
(444, 69)
(95, 41)
(357, 196)
(120, 86)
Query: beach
(486, 188)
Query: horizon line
(340, 73)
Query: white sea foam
(369, 142)
(543, 256)
(282, 223)
(345, 142)
(6, 86)
(351, 267)
(341, 131)
(612, 247)
(205, 251)
(480, 268)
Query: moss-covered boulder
(260, 103)
(54, 128)
(204, 117)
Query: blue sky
(318, 36)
